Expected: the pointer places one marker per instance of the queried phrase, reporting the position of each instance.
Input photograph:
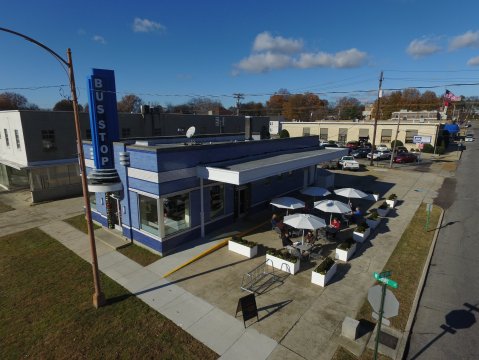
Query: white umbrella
(287, 202)
(351, 193)
(332, 206)
(315, 191)
(304, 221)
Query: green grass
(343, 354)
(406, 263)
(46, 310)
(138, 254)
(5, 208)
(79, 222)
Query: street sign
(385, 280)
(385, 274)
(425, 139)
(391, 304)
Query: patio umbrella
(304, 221)
(286, 202)
(351, 193)
(332, 206)
(315, 191)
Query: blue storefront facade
(175, 191)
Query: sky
(168, 52)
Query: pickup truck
(348, 163)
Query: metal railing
(259, 278)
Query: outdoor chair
(315, 252)
(293, 251)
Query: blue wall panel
(148, 241)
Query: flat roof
(246, 171)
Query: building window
(410, 136)
(343, 135)
(92, 201)
(386, 135)
(7, 141)
(306, 131)
(148, 214)
(48, 140)
(125, 132)
(323, 134)
(17, 139)
(217, 201)
(176, 212)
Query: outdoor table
(303, 248)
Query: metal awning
(246, 171)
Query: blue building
(174, 190)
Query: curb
(422, 280)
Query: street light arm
(28, 38)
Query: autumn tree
(14, 101)
(65, 105)
(252, 109)
(130, 104)
(349, 108)
(276, 101)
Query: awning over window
(239, 173)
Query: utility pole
(380, 94)
(238, 97)
(395, 142)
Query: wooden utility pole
(380, 94)
(238, 97)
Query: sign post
(383, 278)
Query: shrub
(428, 148)
(362, 227)
(440, 150)
(384, 206)
(282, 254)
(324, 266)
(284, 134)
(240, 240)
(346, 245)
(398, 143)
(373, 214)
(392, 197)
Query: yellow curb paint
(211, 249)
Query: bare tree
(130, 103)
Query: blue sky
(170, 51)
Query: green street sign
(386, 281)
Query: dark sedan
(361, 153)
(405, 158)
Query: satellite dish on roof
(190, 132)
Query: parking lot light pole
(98, 296)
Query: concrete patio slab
(186, 310)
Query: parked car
(348, 163)
(380, 155)
(382, 147)
(405, 158)
(353, 145)
(469, 137)
(360, 153)
(401, 149)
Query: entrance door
(114, 221)
(241, 200)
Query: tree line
(300, 107)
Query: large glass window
(323, 134)
(306, 131)
(386, 135)
(343, 135)
(149, 214)
(217, 201)
(176, 213)
(410, 136)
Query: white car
(469, 138)
(382, 147)
(348, 163)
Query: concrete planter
(361, 237)
(373, 223)
(345, 255)
(375, 197)
(391, 203)
(282, 264)
(383, 212)
(242, 249)
(322, 280)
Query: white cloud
(343, 59)
(468, 39)
(473, 61)
(277, 44)
(257, 63)
(99, 39)
(422, 47)
(145, 25)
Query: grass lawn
(79, 222)
(343, 354)
(138, 254)
(5, 207)
(46, 308)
